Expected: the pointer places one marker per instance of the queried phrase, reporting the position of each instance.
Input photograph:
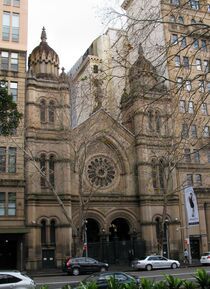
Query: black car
(81, 265)
(102, 279)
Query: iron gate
(115, 252)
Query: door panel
(48, 258)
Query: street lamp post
(85, 247)
(167, 237)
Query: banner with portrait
(191, 207)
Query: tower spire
(43, 35)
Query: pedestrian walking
(186, 256)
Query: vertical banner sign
(191, 207)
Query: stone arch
(110, 151)
(113, 144)
(47, 219)
(124, 214)
(93, 230)
(93, 214)
(119, 228)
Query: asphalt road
(57, 282)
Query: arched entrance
(93, 230)
(116, 243)
(119, 229)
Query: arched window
(154, 174)
(180, 20)
(51, 112)
(43, 232)
(43, 111)
(157, 121)
(150, 119)
(158, 229)
(161, 173)
(43, 170)
(172, 19)
(52, 232)
(52, 170)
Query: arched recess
(162, 237)
(93, 230)
(130, 221)
(120, 229)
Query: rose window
(101, 172)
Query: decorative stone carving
(98, 93)
(143, 79)
(101, 171)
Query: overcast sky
(71, 25)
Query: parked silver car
(205, 258)
(15, 279)
(155, 262)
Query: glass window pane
(2, 159)
(11, 204)
(16, 3)
(6, 26)
(42, 111)
(51, 112)
(52, 170)
(4, 60)
(14, 61)
(7, 2)
(2, 203)
(15, 27)
(12, 160)
(14, 90)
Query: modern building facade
(13, 49)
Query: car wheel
(149, 267)
(174, 266)
(75, 271)
(103, 269)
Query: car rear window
(206, 254)
(6, 278)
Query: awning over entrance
(20, 230)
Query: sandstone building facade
(102, 155)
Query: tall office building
(13, 47)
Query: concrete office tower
(13, 47)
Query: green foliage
(131, 285)
(159, 285)
(66, 287)
(172, 282)
(202, 279)
(189, 284)
(88, 285)
(146, 283)
(113, 283)
(44, 287)
(9, 115)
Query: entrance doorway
(8, 253)
(195, 247)
(48, 258)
